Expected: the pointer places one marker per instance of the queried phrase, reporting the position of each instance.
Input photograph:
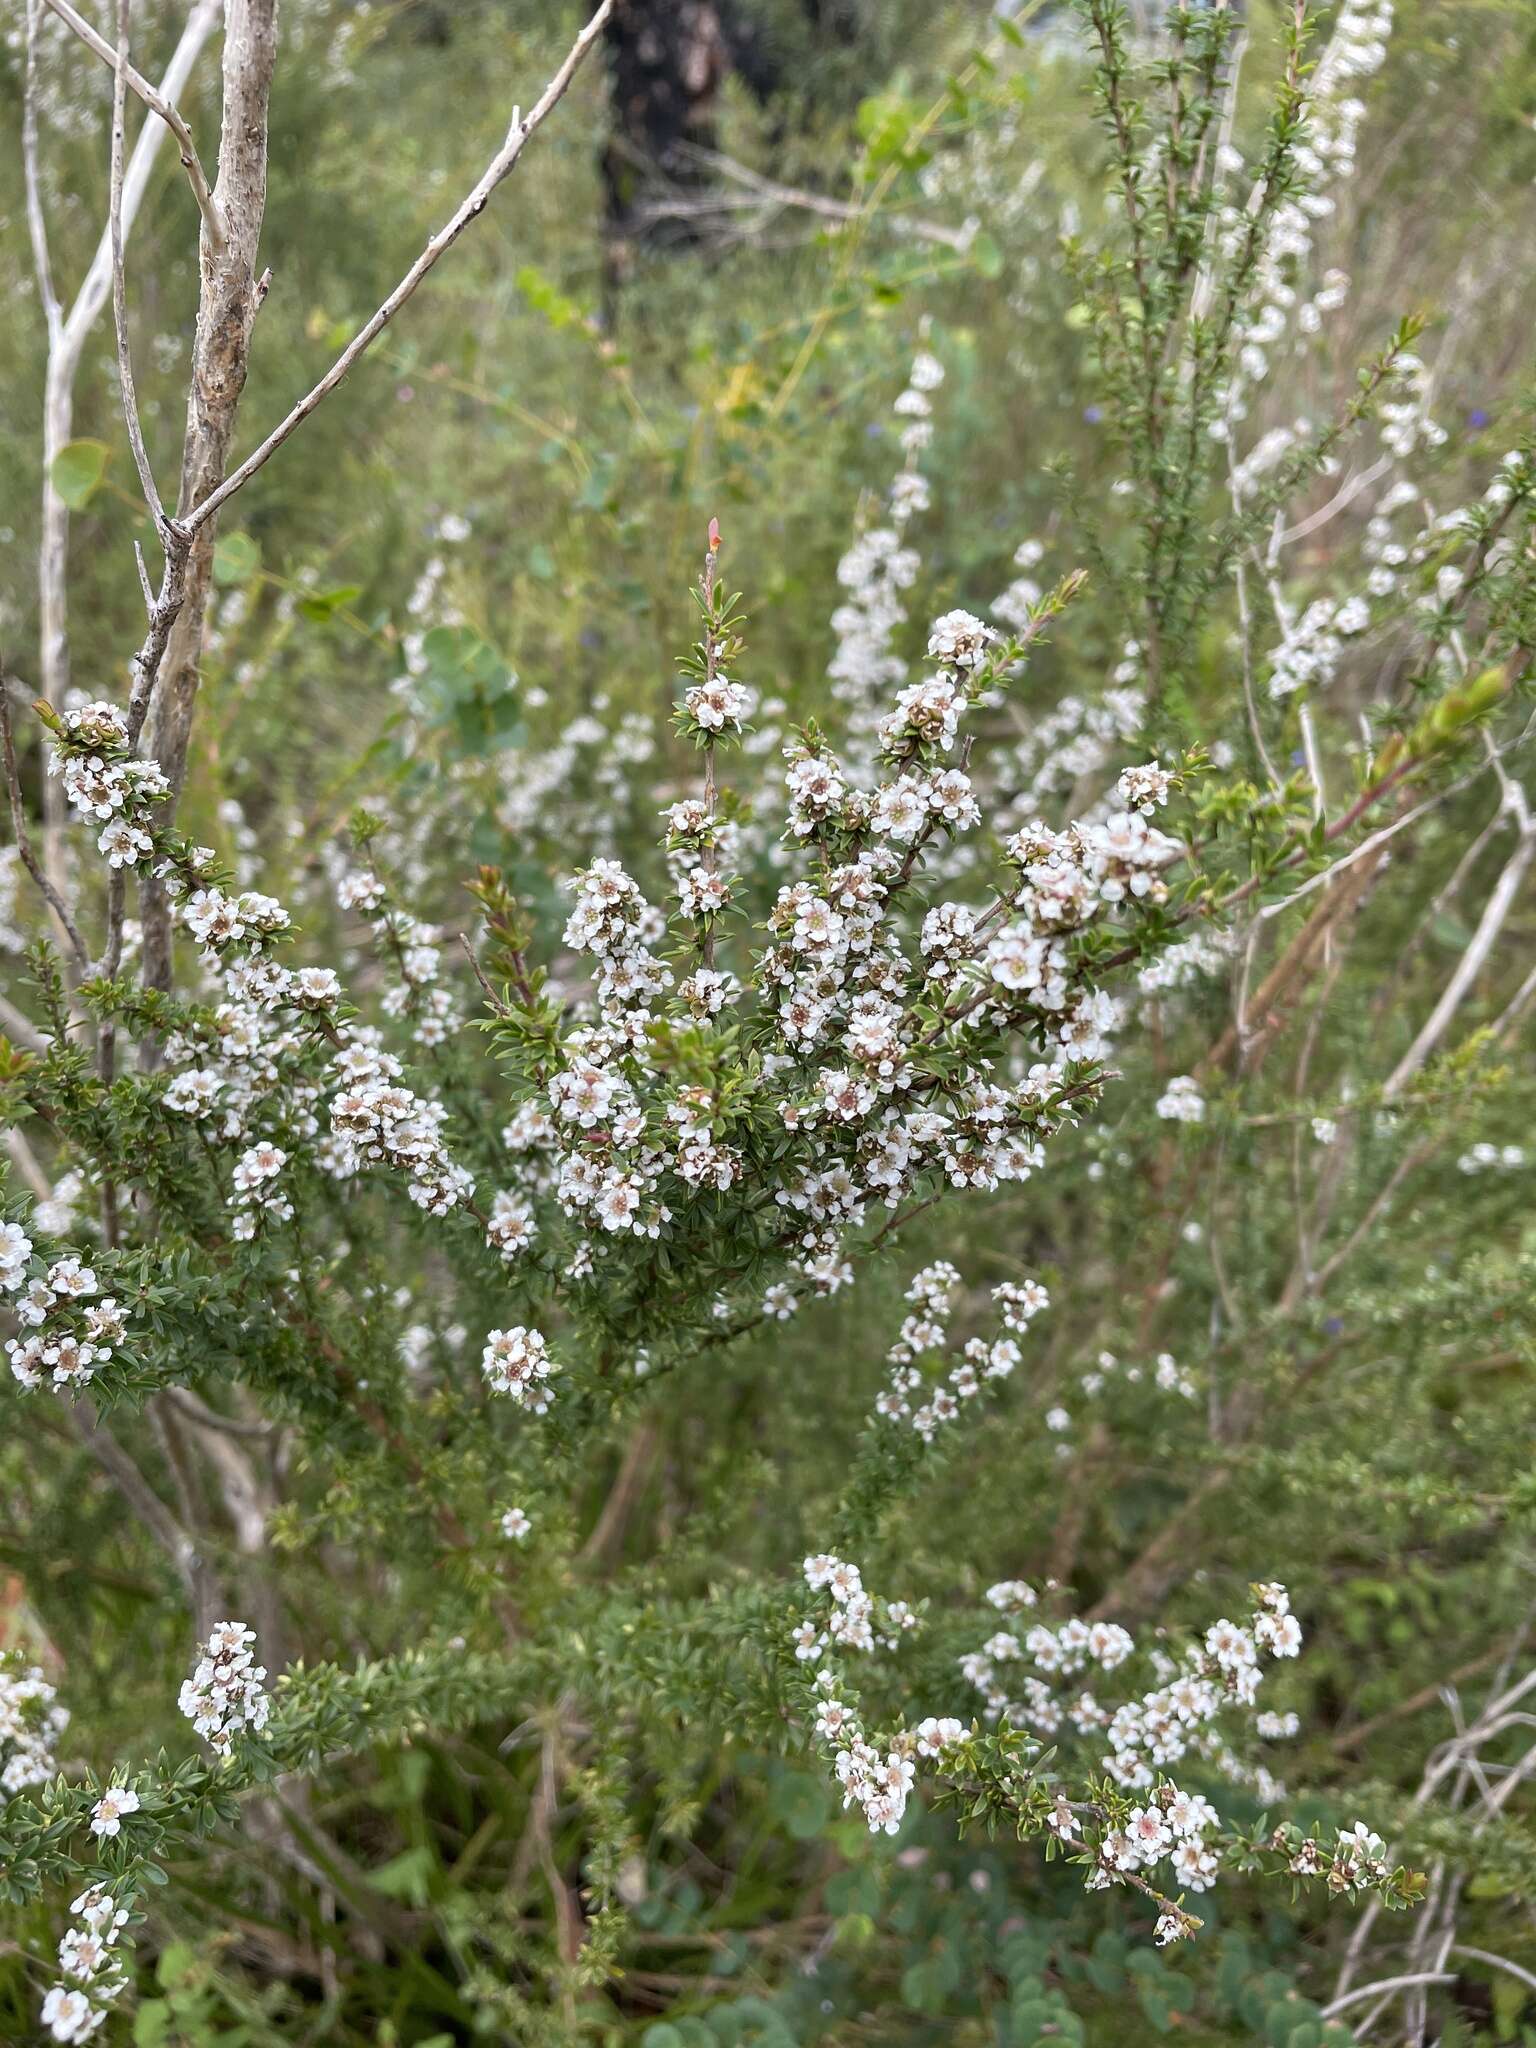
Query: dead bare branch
(470, 209)
(158, 104)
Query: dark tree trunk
(667, 60)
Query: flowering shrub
(372, 1257)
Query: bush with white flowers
(827, 1306)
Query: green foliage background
(1391, 1487)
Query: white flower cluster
(257, 1197)
(225, 1071)
(856, 1620)
(1313, 646)
(1144, 1736)
(881, 565)
(1155, 1730)
(1071, 745)
(1166, 1376)
(73, 1326)
(1015, 605)
(418, 994)
(1181, 1101)
(511, 1227)
(842, 1053)
(1145, 788)
(878, 1783)
(960, 640)
(911, 1395)
(226, 1695)
(31, 1724)
(244, 1074)
(1403, 413)
(1193, 959)
(375, 1121)
(1068, 877)
(108, 784)
(517, 1362)
(91, 1972)
(1325, 154)
(1486, 1158)
(718, 705)
(220, 922)
(15, 1253)
(874, 572)
(1358, 1859)
(578, 790)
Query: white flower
(960, 639)
(1360, 1841)
(934, 1735)
(69, 2015)
(843, 1582)
(719, 706)
(1195, 1866)
(1279, 1633)
(114, 1803)
(1149, 1832)
(124, 843)
(515, 1525)
(1144, 788)
(316, 988)
(15, 1250)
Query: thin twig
(119, 281)
(37, 225)
(491, 996)
(1388, 1984)
(765, 195)
(20, 1029)
(470, 209)
(157, 103)
(1483, 1955)
(29, 859)
(1496, 910)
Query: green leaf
(176, 1963)
(921, 1990)
(236, 558)
(546, 297)
(324, 604)
(407, 1875)
(987, 256)
(151, 2023)
(78, 470)
(731, 2022)
(802, 1803)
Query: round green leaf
(236, 558)
(78, 469)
